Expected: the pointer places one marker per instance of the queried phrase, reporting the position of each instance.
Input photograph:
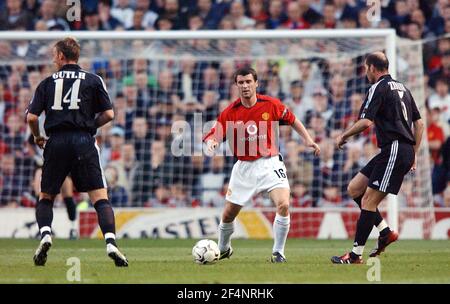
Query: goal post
(279, 55)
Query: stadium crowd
(149, 96)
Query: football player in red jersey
(250, 125)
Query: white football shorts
(251, 177)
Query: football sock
(281, 226)
(383, 228)
(44, 216)
(379, 221)
(71, 208)
(363, 229)
(106, 221)
(225, 232)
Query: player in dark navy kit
(390, 106)
(76, 103)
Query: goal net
(167, 88)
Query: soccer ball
(206, 252)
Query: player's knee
(283, 208)
(227, 217)
(353, 190)
(367, 203)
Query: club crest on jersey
(265, 116)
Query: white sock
(110, 235)
(358, 250)
(44, 229)
(225, 232)
(281, 226)
(73, 225)
(382, 225)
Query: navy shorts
(75, 153)
(388, 168)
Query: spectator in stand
(141, 138)
(295, 19)
(123, 12)
(126, 166)
(297, 102)
(12, 183)
(441, 100)
(14, 138)
(320, 103)
(277, 16)
(117, 194)
(91, 21)
(48, 15)
(150, 17)
(179, 196)
(329, 15)
(173, 13)
(210, 12)
(435, 62)
(435, 133)
(237, 15)
(338, 102)
(331, 196)
(443, 72)
(108, 22)
(300, 195)
(195, 22)
(138, 21)
(15, 16)
(116, 140)
(213, 180)
(309, 14)
(257, 11)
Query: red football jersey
(251, 132)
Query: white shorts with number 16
(251, 177)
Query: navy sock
(44, 214)
(71, 208)
(385, 231)
(378, 217)
(106, 221)
(364, 227)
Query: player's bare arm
(418, 132)
(356, 128)
(103, 118)
(309, 142)
(33, 122)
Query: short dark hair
(69, 47)
(381, 63)
(245, 71)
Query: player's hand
(40, 141)
(212, 145)
(414, 166)
(315, 147)
(340, 142)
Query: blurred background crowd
(150, 95)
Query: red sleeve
(283, 114)
(217, 132)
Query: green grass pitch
(170, 261)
